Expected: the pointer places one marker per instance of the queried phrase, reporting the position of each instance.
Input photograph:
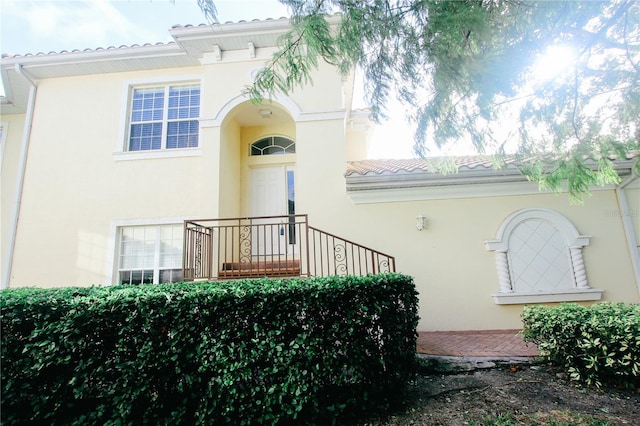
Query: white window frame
(272, 138)
(113, 263)
(121, 152)
(156, 238)
(575, 242)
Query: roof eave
(68, 64)
(400, 180)
(464, 177)
(91, 56)
(241, 28)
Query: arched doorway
(257, 179)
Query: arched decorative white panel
(539, 259)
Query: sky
(33, 26)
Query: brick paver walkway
(483, 343)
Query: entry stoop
(258, 268)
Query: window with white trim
(150, 254)
(273, 145)
(539, 259)
(164, 117)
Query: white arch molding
(286, 102)
(539, 259)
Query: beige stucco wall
(456, 275)
(230, 149)
(357, 135)
(632, 194)
(8, 180)
(75, 186)
(453, 271)
(78, 189)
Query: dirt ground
(528, 395)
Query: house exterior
(107, 152)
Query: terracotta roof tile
(242, 21)
(87, 50)
(419, 165)
(177, 26)
(433, 165)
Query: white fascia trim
(443, 192)
(428, 187)
(419, 178)
(111, 265)
(194, 40)
(232, 29)
(8, 97)
(471, 183)
(110, 54)
(238, 29)
(578, 295)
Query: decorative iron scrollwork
(245, 244)
(197, 260)
(383, 265)
(340, 259)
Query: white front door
(271, 190)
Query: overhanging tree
(467, 71)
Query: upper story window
(273, 145)
(164, 117)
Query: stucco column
(504, 278)
(578, 267)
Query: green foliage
(243, 352)
(209, 10)
(468, 72)
(596, 344)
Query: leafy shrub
(243, 352)
(595, 344)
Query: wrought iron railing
(333, 255)
(274, 246)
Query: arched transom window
(273, 145)
(539, 259)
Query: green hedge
(320, 350)
(596, 344)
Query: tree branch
(626, 44)
(474, 389)
(601, 33)
(575, 104)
